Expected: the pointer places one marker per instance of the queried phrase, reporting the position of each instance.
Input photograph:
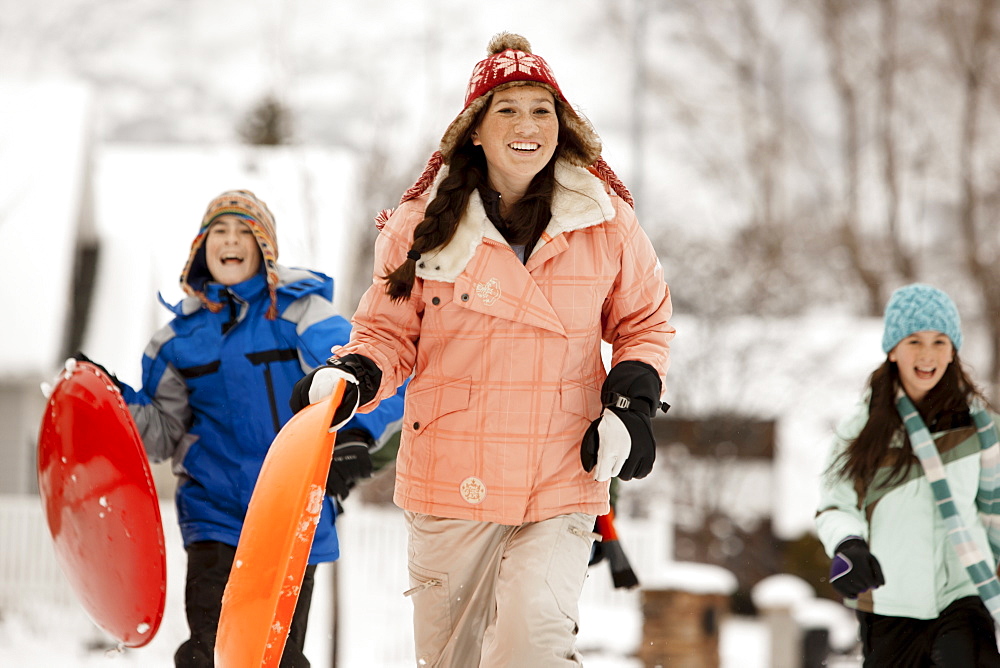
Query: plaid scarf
(987, 499)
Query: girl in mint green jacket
(906, 509)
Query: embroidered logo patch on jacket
(489, 291)
(473, 490)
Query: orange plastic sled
(273, 551)
(101, 507)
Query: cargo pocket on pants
(432, 624)
(568, 564)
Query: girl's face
(231, 251)
(518, 134)
(922, 358)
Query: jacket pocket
(425, 405)
(567, 569)
(580, 399)
(432, 623)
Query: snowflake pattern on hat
(506, 66)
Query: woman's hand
(362, 381)
(620, 442)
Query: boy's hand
(351, 462)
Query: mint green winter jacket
(903, 526)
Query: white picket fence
(374, 619)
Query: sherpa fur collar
(580, 200)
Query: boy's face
(231, 251)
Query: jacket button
(465, 297)
(436, 301)
(416, 425)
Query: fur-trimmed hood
(580, 200)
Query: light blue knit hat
(917, 308)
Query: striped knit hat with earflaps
(511, 63)
(252, 211)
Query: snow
(781, 591)
(44, 626)
(691, 577)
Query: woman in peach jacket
(515, 254)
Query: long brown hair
(467, 172)
(871, 449)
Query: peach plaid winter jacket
(506, 357)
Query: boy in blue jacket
(216, 384)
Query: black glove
(351, 461)
(348, 402)
(854, 569)
(632, 393)
(80, 357)
(367, 378)
(610, 548)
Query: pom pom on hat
(918, 308)
(252, 211)
(502, 41)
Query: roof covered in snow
(691, 577)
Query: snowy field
(44, 627)
(45, 638)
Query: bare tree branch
(888, 66)
(971, 55)
(832, 25)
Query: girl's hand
(855, 569)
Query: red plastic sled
(101, 506)
(273, 551)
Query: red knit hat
(254, 213)
(511, 63)
(514, 63)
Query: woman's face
(922, 358)
(518, 134)
(231, 251)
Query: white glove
(615, 446)
(323, 382)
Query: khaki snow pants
(492, 595)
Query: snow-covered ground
(45, 626)
(46, 638)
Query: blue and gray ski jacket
(215, 393)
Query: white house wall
(44, 144)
